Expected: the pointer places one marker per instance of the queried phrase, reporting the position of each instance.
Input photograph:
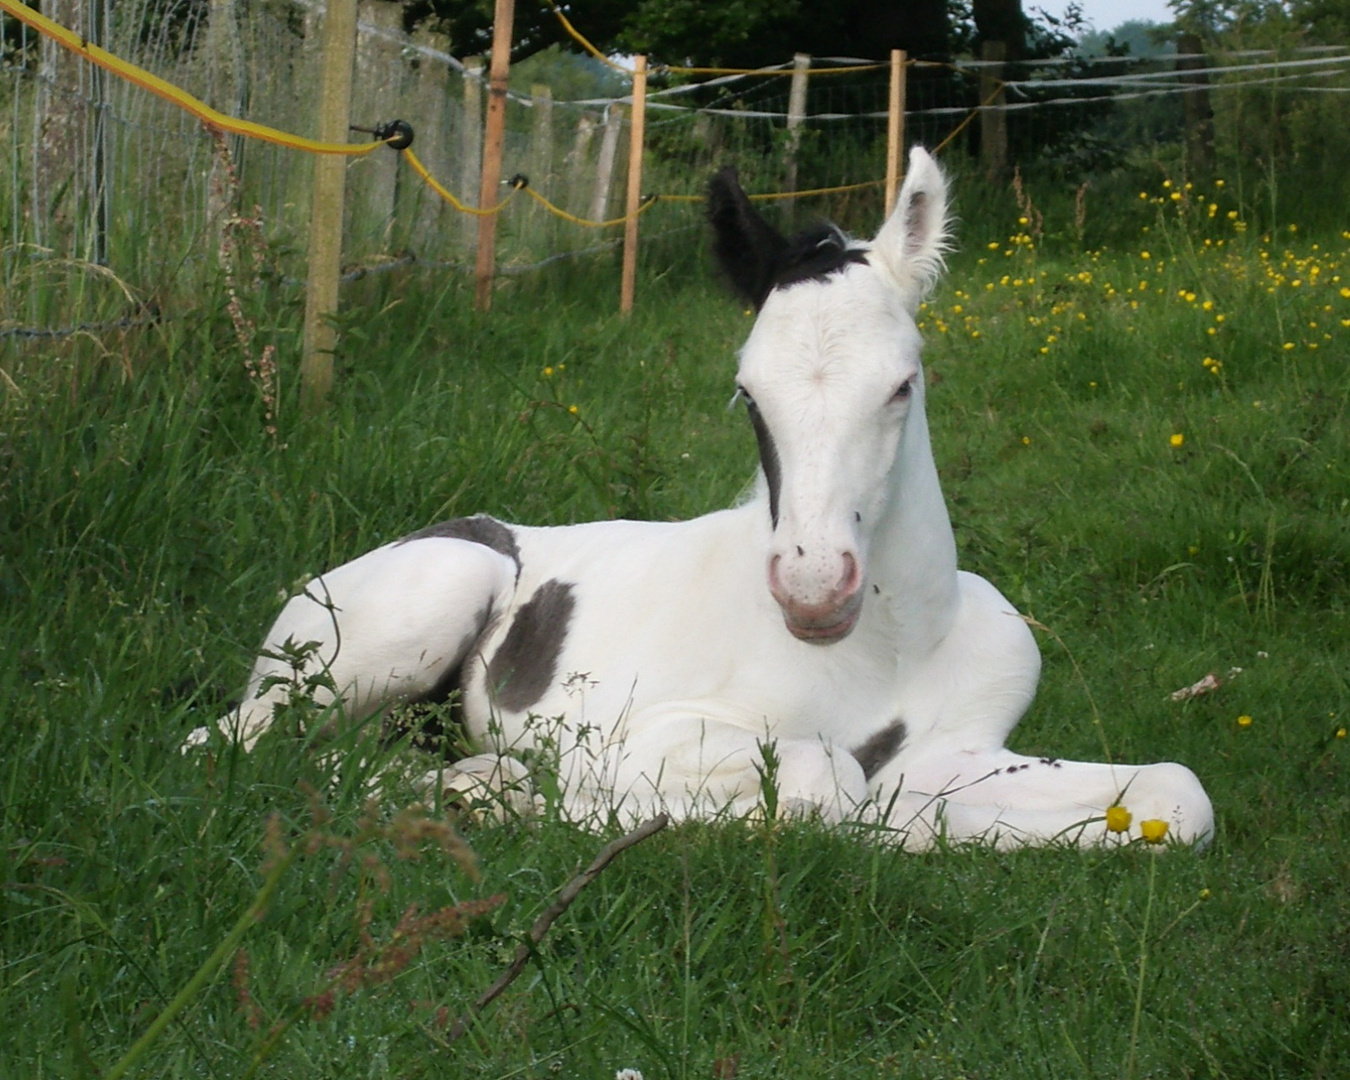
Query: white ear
(911, 244)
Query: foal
(825, 617)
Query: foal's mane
(758, 258)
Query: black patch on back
(757, 257)
(479, 529)
(768, 458)
(881, 747)
(524, 665)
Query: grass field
(1150, 453)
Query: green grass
(149, 525)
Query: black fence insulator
(399, 134)
(520, 180)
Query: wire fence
(99, 171)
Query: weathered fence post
(498, 77)
(431, 101)
(993, 116)
(471, 146)
(636, 134)
(1199, 117)
(224, 75)
(379, 73)
(577, 158)
(540, 167)
(895, 128)
(62, 115)
(325, 230)
(604, 168)
(796, 113)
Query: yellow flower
(1340, 733)
(1177, 440)
(573, 410)
(1118, 818)
(1153, 830)
(1026, 439)
(1244, 720)
(548, 373)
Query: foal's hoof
(484, 788)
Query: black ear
(749, 249)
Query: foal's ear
(912, 242)
(748, 248)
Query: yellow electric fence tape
(153, 83)
(166, 90)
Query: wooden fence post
(540, 167)
(471, 145)
(373, 180)
(636, 135)
(604, 169)
(993, 116)
(432, 97)
(801, 68)
(325, 229)
(498, 77)
(895, 128)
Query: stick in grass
(555, 909)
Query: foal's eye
(903, 391)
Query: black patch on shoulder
(524, 665)
(881, 747)
(768, 458)
(756, 257)
(479, 529)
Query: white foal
(825, 616)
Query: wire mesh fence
(99, 171)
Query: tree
(736, 33)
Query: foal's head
(832, 379)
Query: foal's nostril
(852, 578)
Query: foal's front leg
(1015, 801)
(680, 758)
(386, 627)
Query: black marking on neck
(881, 747)
(768, 458)
(522, 669)
(479, 529)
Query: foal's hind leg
(386, 627)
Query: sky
(1108, 14)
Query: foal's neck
(913, 553)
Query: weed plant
(1147, 452)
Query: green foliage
(149, 524)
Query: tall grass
(150, 524)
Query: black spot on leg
(479, 529)
(524, 665)
(881, 747)
(876, 590)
